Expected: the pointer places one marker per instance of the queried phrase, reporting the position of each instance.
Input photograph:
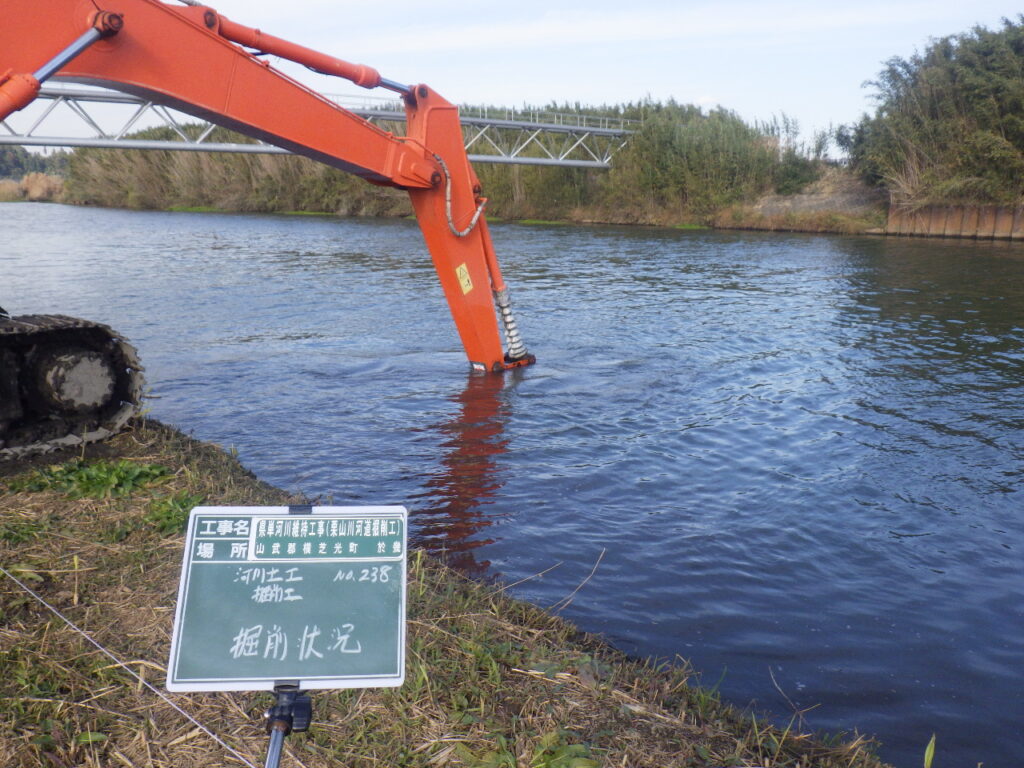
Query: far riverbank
(837, 203)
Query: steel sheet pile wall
(986, 221)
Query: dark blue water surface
(802, 457)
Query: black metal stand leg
(292, 711)
(274, 750)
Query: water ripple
(802, 457)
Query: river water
(797, 461)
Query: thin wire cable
(128, 669)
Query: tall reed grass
(682, 164)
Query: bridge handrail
(530, 115)
(547, 117)
(392, 108)
(503, 114)
(528, 137)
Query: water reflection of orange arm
(469, 479)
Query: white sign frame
(181, 639)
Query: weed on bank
(491, 682)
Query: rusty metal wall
(977, 221)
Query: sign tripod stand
(290, 598)
(292, 711)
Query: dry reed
(491, 681)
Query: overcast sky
(803, 58)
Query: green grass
(929, 753)
(193, 209)
(491, 682)
(21, 531)
(169, 514)
(97, 480)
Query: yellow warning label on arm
(462, 272)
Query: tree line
(949, 122)
(948, 127)
(15, 162)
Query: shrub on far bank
(35, 187)
(948, 126)
(10, 191)
(684, 160)
(40, 187)
(741, 217)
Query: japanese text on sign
(268, 596)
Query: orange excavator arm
(194, 60)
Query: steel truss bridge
(104, 118)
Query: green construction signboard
(272, 594)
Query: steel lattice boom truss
(104, 118)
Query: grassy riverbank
(682, 168)
(683, 165)
(527, 195)
(491, 682)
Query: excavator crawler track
(63, 382)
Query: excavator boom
(192, 59)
